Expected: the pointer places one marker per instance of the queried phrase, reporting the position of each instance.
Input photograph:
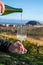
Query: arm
(16, 47)
(4, 45)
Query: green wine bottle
(9, 10)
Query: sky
(32, 9)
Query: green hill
(32, 22)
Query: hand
(2, 7)
(18, 48)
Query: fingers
(2, 7)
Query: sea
(16, 22)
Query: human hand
(18, 48)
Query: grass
(16, 59)
(1, 64)
(30, 58)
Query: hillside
(35, 31)
(34, 55)
(32, 22)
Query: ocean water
(16, 22)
